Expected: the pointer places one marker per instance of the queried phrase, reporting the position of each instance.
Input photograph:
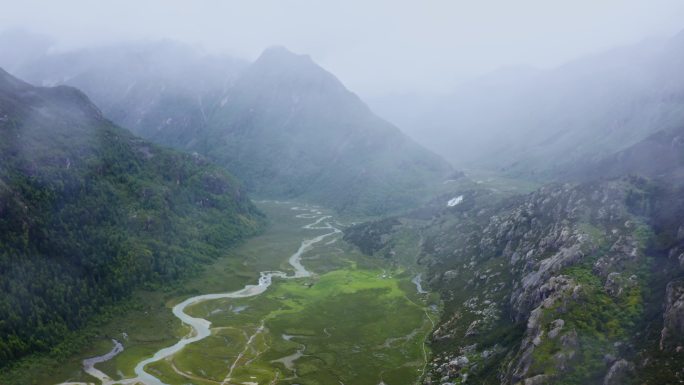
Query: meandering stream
(200, 326)
(418, 281)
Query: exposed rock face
(555, 286)
(557, 289)
(556, 327)
(553, 268)
(538, 285)
(672, 335)
(619, 373)
(451, 369)
(459, 362)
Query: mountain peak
(64, 100)
(278, 66)
(281, 53)
(279, 56)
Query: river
(201, 328)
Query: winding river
(200, 326)
(418, 281)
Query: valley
(330, 315)
(185, 203)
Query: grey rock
(672, 334)
(619, 373)
(556, 327)
(540, 379)
(473, 328)
(537, 285)
(459, 362)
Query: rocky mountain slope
(577, 283)
(571, 284)
(286, 127)
(292, 129)
(535, 123)
(89, 212)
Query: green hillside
(89, 212)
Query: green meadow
(357, 320)
(346, 326)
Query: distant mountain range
(658, 156)
(537, 123)
(283, 125)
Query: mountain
(161, 90)
(534, 123)
(292, 129)
(286, 127)
(660, 155)
(570, 284)
(573, 283)
(89, 212)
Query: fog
(481, 192)
(376, 48)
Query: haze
(376, 48)
(368, 193)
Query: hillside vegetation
(89, 212)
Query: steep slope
(89, 212)
(542, 289)
(283, 125)
(292, 129)
(535, 122)
(660, 155)
(571, 284)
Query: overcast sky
(374, 47)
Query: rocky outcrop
(558, 264)
(619, 373)
(560, 286)
(540, 282)
(557, 290)
(672, 335)
(625, 250)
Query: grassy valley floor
(357, 320)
